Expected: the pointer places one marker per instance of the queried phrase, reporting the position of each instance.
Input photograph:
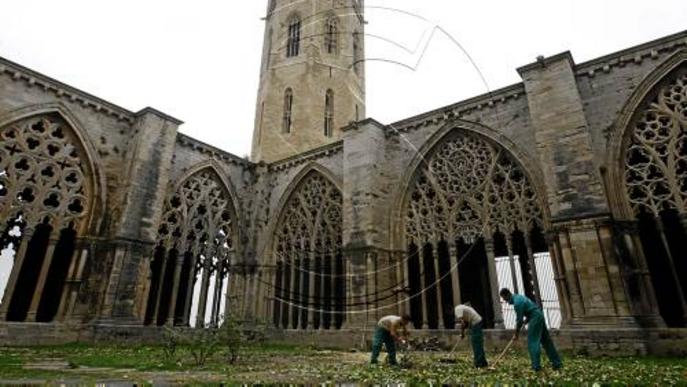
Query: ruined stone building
(117, 223)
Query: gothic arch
(52, 192)
(306, 253)
(467, 197)
(647, 186)
(216, 168)
(92, 158)
(295, 183)
(198, 233)
(528, 166)
(621, 131)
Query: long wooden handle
(454, 347)
(498, 359)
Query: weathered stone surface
(553, 132)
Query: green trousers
(538, 336)
(477, 341)
(382, 336)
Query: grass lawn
(296, 365)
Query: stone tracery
(307, 249)
(469, 191)
(470, 188)
(45, 197)
(655, 177)
(196, 234)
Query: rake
(449, 358)
(498, 359)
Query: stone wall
(558, 125)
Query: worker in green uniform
(537, 334)
(389, 330)
(467, 317)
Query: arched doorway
(197, 239)
(468, 203)
(309, 281)
(47, 190)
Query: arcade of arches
(571, 183)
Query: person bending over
(388, 331)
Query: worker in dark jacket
(537, 334)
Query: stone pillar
(371, 287)
(357, 265)
(323, 279)
(312, 307)
(455, 274)
(533, 269)
(74, 279)
(175, 290)
(407, 294)
(597, 296)
(19, 259)
(574, 190)
(43, 275)
(304, 291)
(511, 262)
(437, 286)
(423, 288)
(633, 264)
(190, 286)
(494, 283)
(160, 286)
(217, 295)
(146, 167)
(562, 285)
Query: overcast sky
(199, 60)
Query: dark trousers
(382, 336)
(477, 341)
(537, 337)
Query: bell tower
(312, 77)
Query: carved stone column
(436, 252)
(533, 269)
(560, 278)
(160, 286)
(175, 290)
(634, 266)
(43, 276)
(313, 296)
(74, 279)
(190, 286)
(423, 288)
(19, 259)
(455, 274)
(494, 283)
(371, 287)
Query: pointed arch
(198, 233)
(306, 252)
(526, 164)
(51, 196)
(91, 157)
(216, 168)
(468, 197)
(295, 183)
(621, 130)
(647, 187)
